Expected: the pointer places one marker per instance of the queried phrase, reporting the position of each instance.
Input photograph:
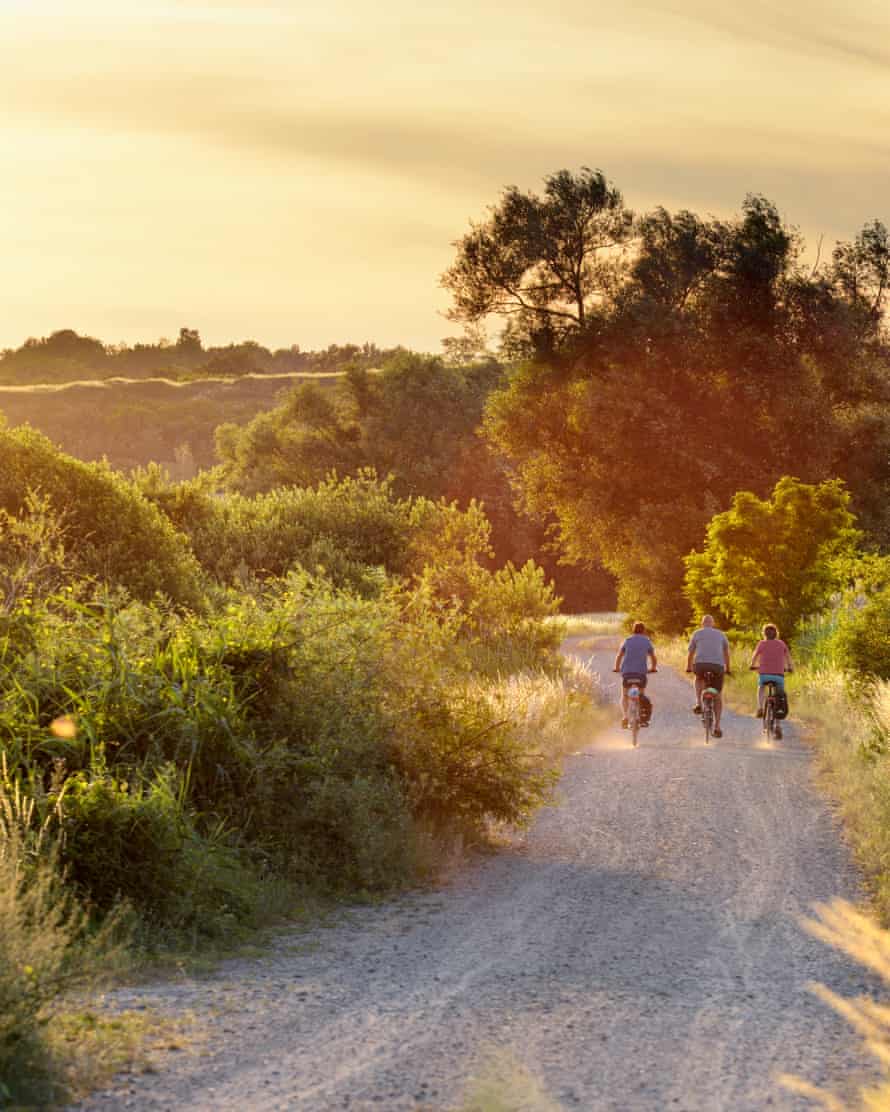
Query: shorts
(716, 671)
(631, 679)
(767, 677)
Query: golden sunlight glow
(296, 173)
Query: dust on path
(639, 948)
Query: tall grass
(551, 713)
(593, 624)
(848, 726)
(47, 947)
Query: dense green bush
(316, 721)
(341, 527)
(139, 842)
(318, 727)
(774, 559)
(111, 532)
(862, 639)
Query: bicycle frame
(770, 724)
(769, 712)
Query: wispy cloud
(803, 28)
(344, 131)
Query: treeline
(66, 356)
(667, 361)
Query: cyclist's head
(770, 632)
(639, 627)
(707, 620)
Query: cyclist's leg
(699, 687)
(718, 699)
(761, 696)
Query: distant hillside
(133, 421)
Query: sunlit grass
(552, 715)
(504, 1084)
(580, 625)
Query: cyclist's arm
(789, 663)
(755, 656)
(618, 659)
(654, 660)
(726, 655)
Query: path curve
(638, 949)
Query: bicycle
(708, 696)
(770, 723)
(634, 717)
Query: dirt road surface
(639, 948)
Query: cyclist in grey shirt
(709, 654)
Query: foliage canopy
(773, 559)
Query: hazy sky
(296, 172)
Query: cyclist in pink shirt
(772, 659)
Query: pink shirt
(771, 657)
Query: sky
(298, 172)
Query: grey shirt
(708, 644)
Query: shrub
(139, 843)
(773, 559)
(862, 638)
(112, 533)
(341, 527)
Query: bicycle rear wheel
(633, 716)
(707, 718)
(769, 717)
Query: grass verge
(504, 1084)
(87, 1048)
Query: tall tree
(542, 262)
(719, 365)
(773, 559)
(861, 269)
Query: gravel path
(638, 949)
